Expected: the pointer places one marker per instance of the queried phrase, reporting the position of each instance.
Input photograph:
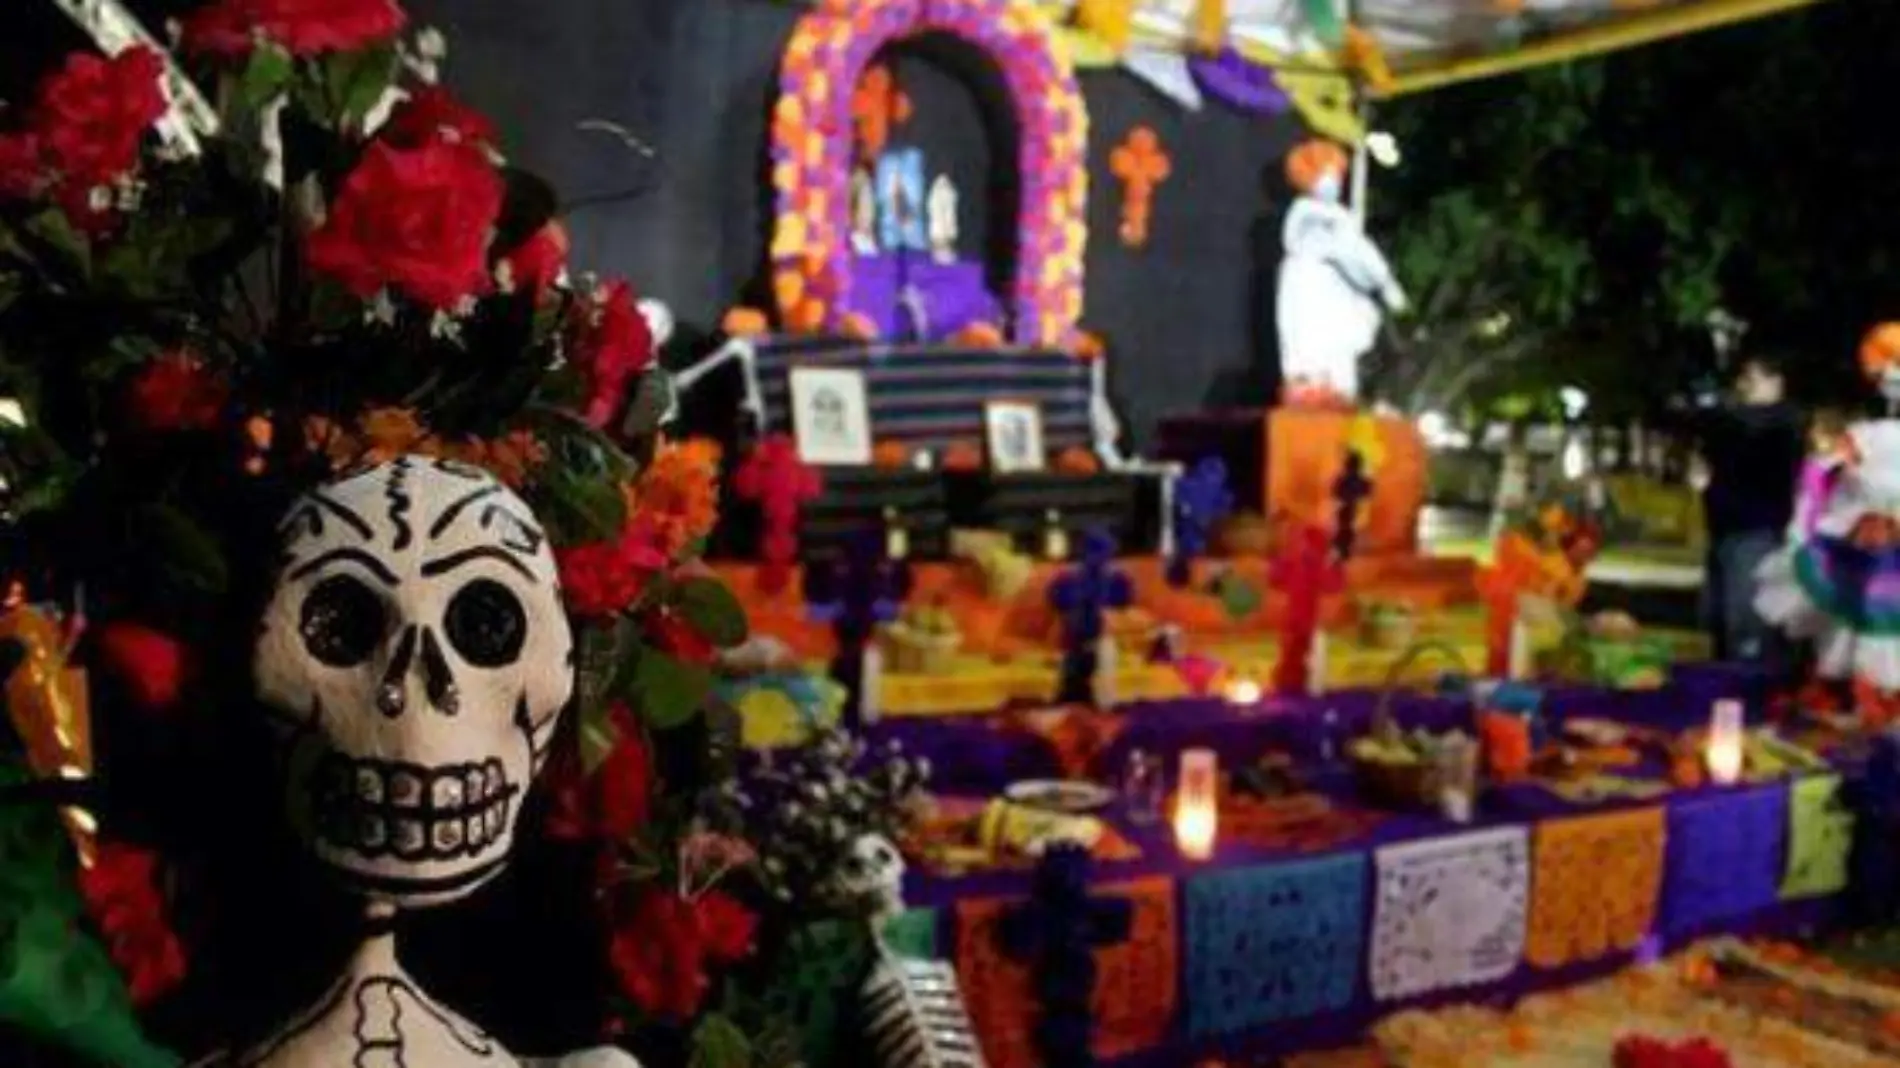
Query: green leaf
(191, 555)
(56, 232)
(264, 78)
(712, 611)
(598, 735)
(11, 286)
(594, 665)
(718, 1043)
(357, 80)
(667, 691)
(580, 510)
(121, 354)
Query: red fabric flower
(22, 165)
(616, 799)
(175, 392)
(602, 579)
(539, 260)
(671, 634)
(151, 664)
(432, 114)
(726, 926)
(300, 27)
(93, 113)
(611, 343)
(121, 896)
(661, 951)
(775, 477)
(415, 219)
(659, 957)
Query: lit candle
(1726, 733)
(1243, 691)
(1196, 803)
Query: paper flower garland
(813, 131)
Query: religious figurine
(900, 195)
(414, 659)
(863, 213)
(942, 208)
(1838, 580)
(1335, 286)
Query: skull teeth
(416, 813)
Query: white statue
(863, 213)
(1335, 285)
(415, 657)
(942, 209)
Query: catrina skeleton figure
(416, 657)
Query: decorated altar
(1322, 910)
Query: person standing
(1753, 447)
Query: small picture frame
(831, 416)
(1013, 432)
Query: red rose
(22, 165)
(602, 579)
(539, 260)
(611, 343)
(431, 114)
(725, 926)
(300, 27)
(149, 662)
(175, 392)
(673, 635)
(120, 890)
(615, 800)
(659, 957)
(415, 219)
(93, 113)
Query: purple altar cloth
(979, 759)
(952, 295)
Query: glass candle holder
(1197, 804)
(1726, 736)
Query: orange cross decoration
(877, 105)
(1141, 164)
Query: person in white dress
(1838, 581)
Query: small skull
(416, 653)
(874, 876)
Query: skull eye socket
(485, 623)
(342, 622)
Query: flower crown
(342, 267)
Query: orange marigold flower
(328, 438)
(389, 432)
(679, 494)
(513, 456)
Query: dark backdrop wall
(1184, 316)
(577, 84)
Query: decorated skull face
(417, 656)
(874, 875)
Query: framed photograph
(831, 417)
(1013, 432)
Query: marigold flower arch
(812, 152)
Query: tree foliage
(1575, 225)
